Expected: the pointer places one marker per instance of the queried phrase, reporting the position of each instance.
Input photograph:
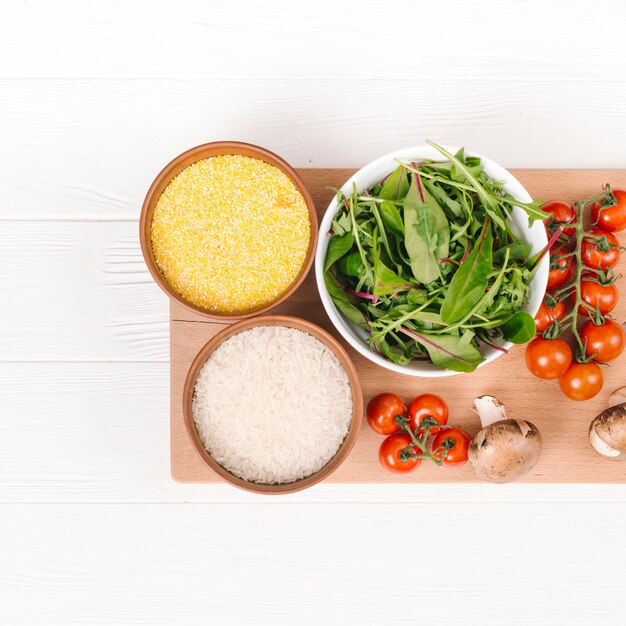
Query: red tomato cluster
(601, 339)
(417, 433)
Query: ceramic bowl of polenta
(228, 230)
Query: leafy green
(452, 352)
(518, 251)
(489, 200)
(427, 233)
(427, 263)
(393, 353)
(469, 283)
(519, 328)
(338, 246)
(342, 300)
(386, 281)
(396, 186)
(391, 218)
(350, 264)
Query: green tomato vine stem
(420, 442)
(578, 300)
(574, 288)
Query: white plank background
(94, 98)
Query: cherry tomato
(548, 358)
(597, 296)
(612, 218)
(545, 315)
(389, 454)
(561, 269)
(562, 213)
(581, 381)
(457, 454)
(604, 343)
(427, 405)
(594, 257)
(381, 411)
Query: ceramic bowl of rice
(272, 404)
(228, 230)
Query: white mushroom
(504, 449)
(607, 431)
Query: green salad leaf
(427, 263)
(470, 281)
(337, 247)
(427, 233)
(519, 328)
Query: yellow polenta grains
(230, 233)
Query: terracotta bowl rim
(172, 169)
(355, 388)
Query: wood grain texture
(484, 40)
(93, 150)
(90, 279)
(94, 99)
(158, 565)
(563, 423)
(99, 432)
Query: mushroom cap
(607, 433)
(617, 397)
(505, 450)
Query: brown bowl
(355, 388)
(174, 168)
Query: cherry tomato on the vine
(548, 358)
(545, 316)
(612, 218)
(562, 213)
(561, 269)
(599, 297)
(427, 405)
(605, 342)
(593, 256)
(389, 454)
(581, 381)
(457, 453)
(381, 411)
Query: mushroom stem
(504, 449)
(489, 409)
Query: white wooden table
(94, 98)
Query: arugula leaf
(416, 296)
(518, 251)
(350, 264)
(469, 282)
(391, 218)
(338, 246)
(519, 328)
(386, 281)
(427, 233)
(464, 173)
(393, 354)
(396, 186)
(342, 223)
(357, 239)
(342, 300)
(444, 199)
(381, 229)
(489, 200)
(457, 353)
(533, 209)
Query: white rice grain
(272, 404)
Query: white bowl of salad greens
(433, 262)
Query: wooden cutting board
(567, 456)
